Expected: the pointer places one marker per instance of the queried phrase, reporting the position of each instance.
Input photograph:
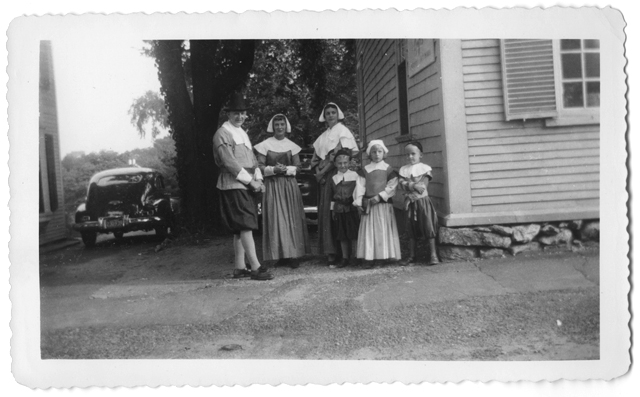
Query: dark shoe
(343, 263)
(408, 261)
(369, 264)
(241, 273)
(353, 261)
(261, 274)
(433, 260)
(331, 258)
(433, 253)
(294, 263)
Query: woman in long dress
(284, 227)
(336, 137)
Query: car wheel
(162, 231)
(89, 238)
(118, 235)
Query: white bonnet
(340, 114)
(279, 115)
(379, 143)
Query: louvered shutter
(528, 79)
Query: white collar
(411, 170)
(239, 135)
(276, 145)
(348, 176)
(328, 140)
(381, 165)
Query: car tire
(89, 238)
(118, 235)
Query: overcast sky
(96, 82)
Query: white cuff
(291, 170)
(384, 195)
(332, 204)
(268, 170)
(257, 175)
(244, 177)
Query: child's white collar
(410, 170)
(380, 165)
(347, 176)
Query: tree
(161, 157)
(294, 77)
(148, 111)
(297, 78)
(197, 78)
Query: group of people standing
(356, 219)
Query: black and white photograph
(319, 197)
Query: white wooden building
(510, 127)
(52, 225)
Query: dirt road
(125, 300)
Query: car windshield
(119, 179)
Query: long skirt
(326, 240)
(378, 234)
(284, 226)
(238, 210)
(422, 219)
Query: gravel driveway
(127, 300)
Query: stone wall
(455, 244)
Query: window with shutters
(558, 80)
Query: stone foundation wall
(455, 244)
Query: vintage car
(308, 186)
(122, 200)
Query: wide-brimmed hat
(236, 103)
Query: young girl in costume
(284, 226)
(376, 185)
(422, 216)
(344, 215)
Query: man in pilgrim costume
(239, 183)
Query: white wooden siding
(55, 228)
(379, 82)
(516, 165)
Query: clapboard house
(52, 216)
(510, 127)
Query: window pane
(572, 95)
(593, 94)
(571, 66)
(592, 44)
(592, 64)
(51, 172)
(570, 44)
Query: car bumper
(117, 224)
(311, 215)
